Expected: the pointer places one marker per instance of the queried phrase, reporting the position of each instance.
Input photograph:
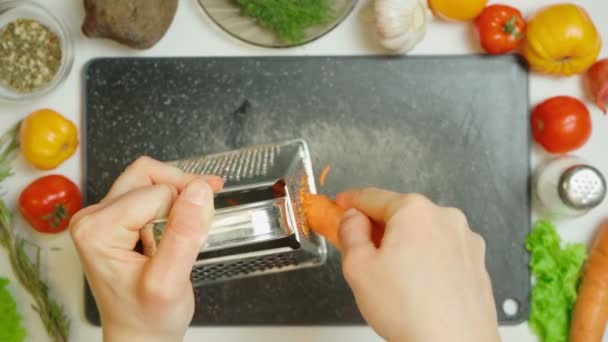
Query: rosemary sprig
(52, 315)
(8, 147)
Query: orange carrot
(323, 216)
(324, 174)
(591, 308)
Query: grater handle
(243, 224)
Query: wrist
(116, 334)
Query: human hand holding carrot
(427, 281)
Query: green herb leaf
(11, 328)
(288, 18)
(557, 274)
(8, 147)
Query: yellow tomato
(47, 139)
(460, 10)
(562, 40)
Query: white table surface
(194, 34)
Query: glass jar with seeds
(36, 50)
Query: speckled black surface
(454, 128)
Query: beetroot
(139, 24)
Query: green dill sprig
(52, 315)
(288, 18)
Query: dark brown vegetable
(139, 24)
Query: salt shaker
(568, 187)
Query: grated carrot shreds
(323, 176)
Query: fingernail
(350, 213)
(196, 193)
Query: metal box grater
(259, 226)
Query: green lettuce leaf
(556, 271)
(11, 329)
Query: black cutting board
(453, 128)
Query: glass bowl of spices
(36, 51)
(277, 23)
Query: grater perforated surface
(235, 165)
(224, 271)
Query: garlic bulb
(401, 24)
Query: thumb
(187, 229)
(356, 233)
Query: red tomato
(500, 28)
(49, 203)
(561, 124)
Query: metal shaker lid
(582, 187)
